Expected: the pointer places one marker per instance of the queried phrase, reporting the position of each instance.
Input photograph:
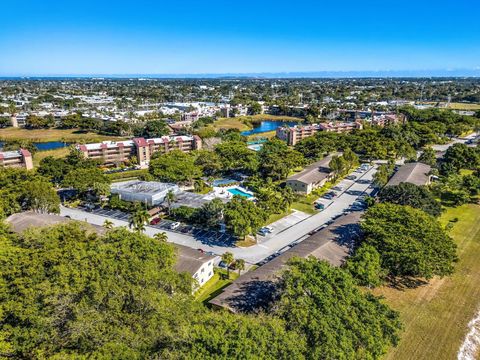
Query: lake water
(50, 145)
(267, 125)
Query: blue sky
(167, 37)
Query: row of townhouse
(20, 158)
(293, 135)
(110, 152)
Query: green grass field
(56, 153)
(435, 316)
(45, 135)
(215, 285)
(464, 106)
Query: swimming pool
(237, 191)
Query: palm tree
(107, 224)
(240, 265)
(228, 259)
(169, 198)
(138, 219)
(161, 236)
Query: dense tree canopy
(413, 195)
(175, 166)
(243, 217)
(68, 293)
(334, 318)
(365, 265)
(277, 159)
(234, 155)
(24, 190)
(409, 241)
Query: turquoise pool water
(236, 191)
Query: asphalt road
(256, 253)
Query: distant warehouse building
(312, 177)
(111, 152)
(20, 158)
(415, 173)
(147, 192)
(294, 134)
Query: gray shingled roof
(313, 173)
(414, 173)
(253, 290)
(29, 219)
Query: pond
(50, 145)
(267, 125)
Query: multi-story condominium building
(340, 127)
(294, 134)
(109, 152)
(20, 158)
(19, 120)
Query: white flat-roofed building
(147, 192)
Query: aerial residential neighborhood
(264, 180)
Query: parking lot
(207, 237)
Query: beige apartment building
(293, 135)
(110, 152)
(20, 158)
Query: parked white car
(174, 225)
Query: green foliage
(410, 242)
(211, 213)
(334, 318)
(415, 196)
(152, 129)
(138, 218)
(234, 155)
(39, 196)
(13, 145)
(175, 166)
(277, 160)
(66, 292)
(384, 171)
(366, 266)
(428, 156)
(24, 190)
(242, 217)
(209, 161)
(460, 156)
(338, 165)
(85, 179)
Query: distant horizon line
(443, 73)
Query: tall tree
(413, 195)
(138, 218)
(410, 242)
(228, 259)
(335, 318)
(39, 196)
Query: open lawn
(436, 315)
(45, 135)
(56, 153)
(464, 106)
(230, 123)
(213, 286)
